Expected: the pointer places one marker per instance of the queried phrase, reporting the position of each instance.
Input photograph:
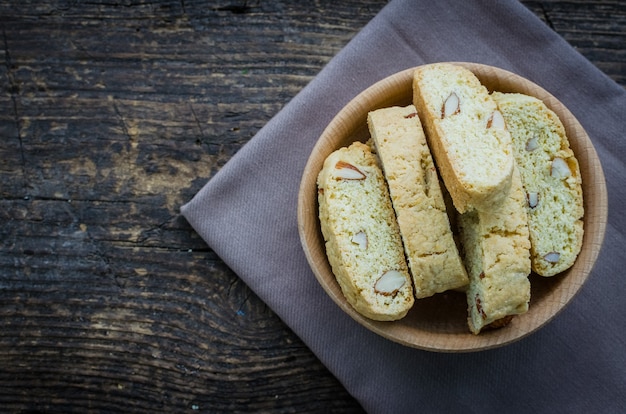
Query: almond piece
(479, 307)
(389, 283)
(360, 238)
(451, 106)
(496, 121)
(532, 144)
(533, 199)
(552, 257)
(560, 169)
(348, 171)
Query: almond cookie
(466, 134)
(363, 242)
(434, 260)
(551, 179)
(496, 250)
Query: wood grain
(112, 115)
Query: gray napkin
(247, 215)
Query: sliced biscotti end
(496, 251)
(466, 133)
(363, 241)
(399, 141)
(552, 181)
(416, 195)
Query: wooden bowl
(439, 323)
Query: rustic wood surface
(112, 115)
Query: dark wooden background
(113, 113)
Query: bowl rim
(505, 81)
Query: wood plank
(115, 120)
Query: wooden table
(113, 114)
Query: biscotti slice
(434, 260)
(551, 178)
(466, 135)
(496, 250)
(363, 241)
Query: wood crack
(238, 8)
(14, 90)
(197, 121)
(546, 16)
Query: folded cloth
(247, 215)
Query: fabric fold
(247, 214)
